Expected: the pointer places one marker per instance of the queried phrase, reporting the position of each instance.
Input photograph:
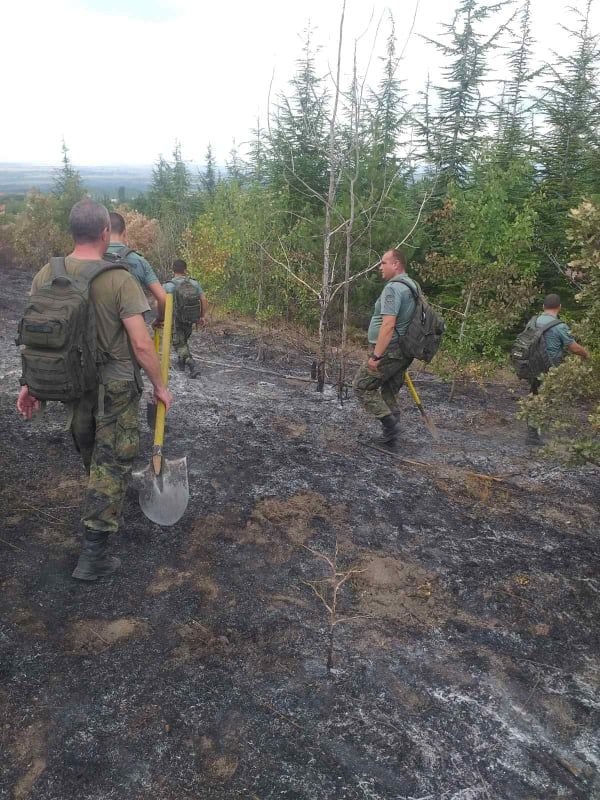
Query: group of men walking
(104, 416)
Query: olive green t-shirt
(116, 295)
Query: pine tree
(569, 152)
(235, 167)
(389, 111)
(160, 187)
(257, 154)
(68, 188)
(514, 134)
(462, 114)
(208, 177)
(298, 157)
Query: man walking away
(378, 382)
(138, 266)
(104, 418)
(558, 341)
(190, 307)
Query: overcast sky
(121, 80)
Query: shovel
(163, 485)
(151, 405)
(426, 418)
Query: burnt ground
(466, 649)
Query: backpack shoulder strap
(126, 251)
(539, 332)
(552, 324)
(91, 271)
(416, 293)
(58, 268)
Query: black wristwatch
(375, 357)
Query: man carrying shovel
(104, 417)
(378, 382)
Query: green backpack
(188, 309)
(529, 356)
(423, 335)
(58, 334)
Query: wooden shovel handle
(159, 425)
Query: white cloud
(121, 90)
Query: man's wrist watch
(375, 357)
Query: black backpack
(58, 334)
(188, 309)
(423, 336)
(529, 355)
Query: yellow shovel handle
(159, 425)
(411, 389)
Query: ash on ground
(464, 643)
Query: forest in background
(490, 182)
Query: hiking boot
(533, 437)
(94, 562)
(181, 364)
(391, 430)
(194, 368)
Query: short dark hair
(552, 301)
(87, 220)
(117, 222)
(399, 256)
(179, 265)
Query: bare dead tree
(334, 177)
(327, 590)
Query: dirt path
(466, 654)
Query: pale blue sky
(121, 80)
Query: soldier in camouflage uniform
(378, 382)
(104, 421)
(182, 331)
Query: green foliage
(568, 403)
(460, 118)
(297, 162)
(483, 268)
(569, 150)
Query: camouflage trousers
(377, 391)
(106, 434)
(181, 334)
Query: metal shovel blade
(164, 497)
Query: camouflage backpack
(423, 336)
(529, 355)
(58, 334)
(188, 309)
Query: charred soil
(465, 641)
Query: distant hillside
(19, 178)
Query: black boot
(181, 364)
(533, 437)
(391, 429)
(194, 368)
(94, 562)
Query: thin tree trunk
(461, 333)
(349, 228)
(325, 296)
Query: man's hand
(27, 404)
(373, 364)
(157, 324)
(164, 395)
(202, 322)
